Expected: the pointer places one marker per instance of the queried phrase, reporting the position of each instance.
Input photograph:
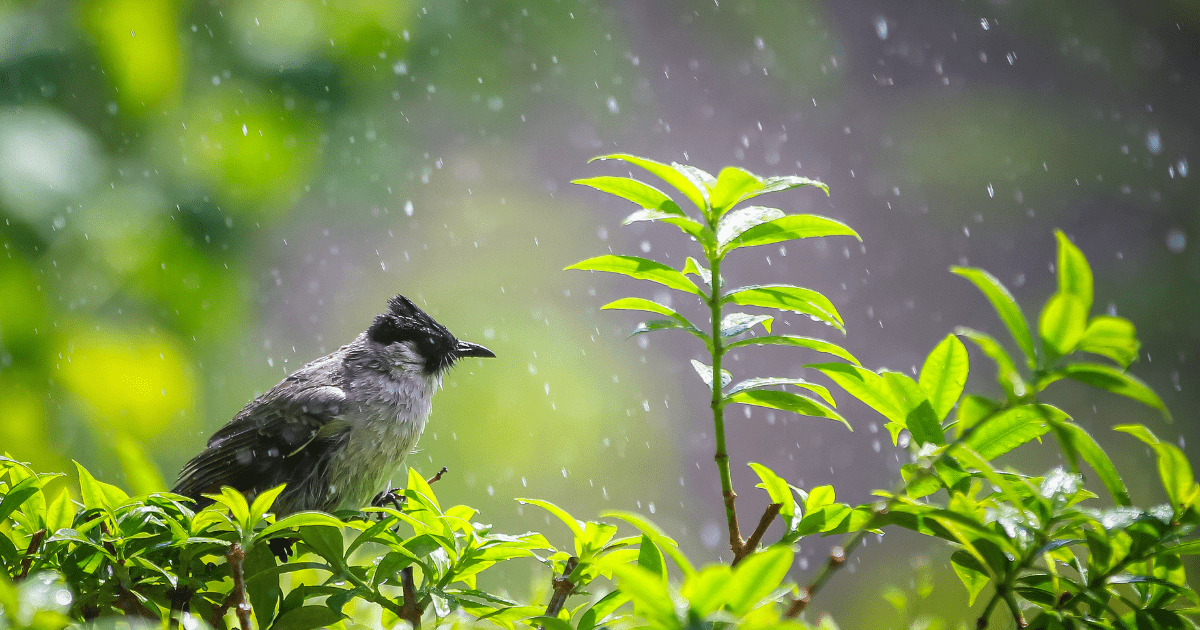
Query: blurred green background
(200, 196)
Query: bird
(335, 430)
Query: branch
(410, 611)
(35, 542)
(563, 587)
(438, 476)
(763, 523)
(237, 597)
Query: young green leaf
(641, 304)
(864, 385)
(1062, 325)
(669, 324)
(971, 410)
(651, 598)
(651, 559)
(639, 268)
(1011, 428)
(640, 193)
(692, 266)
(1110, 379)
(17, 496)
(733, 186)
(789, 227)
(574, 525)
(683, 182)
(972, 574)
(688, 225)
(1112, 337)
(706, 373)
(97, 494)
(735, 324)
(707, 591)
(1075, 441)
(785, 401)
(944, 374)
(786, 297)
(819, 345)
(1005, 305)
(735, 223)
(1006, 372)
(759, 383)
(919, 417)
(1173, 468)
(656, 534)
(756, 576)
(263, 502)
(1074, 273)
(61, 512)
(777, 489)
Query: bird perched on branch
(336, 429)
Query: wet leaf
(1005, 305)
(639, 268)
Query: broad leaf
(759, 383)
(789, 227)
(639, 268)
(785, 401)
(1011, 428)
(1006, 372)
(641, 304)
(660, 538)
(1076, 441)
(690, 226)
(944, 374)
(786, 297)
(685, 183)
(919, 417)
(735, 223)
(571, 522)
(706, 374)
(1110, 379)
(972, 574)
(819, 345)
(757, 576)
(1173, 468)
(640, 193)
(669, 324)
(1005, 305)
(735, 324)
(864, 385)
(733, 186)
(1062, 325)
(1074, 273)
(778, 489)
(1112, 337)
(971, 410)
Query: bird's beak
(468, 349)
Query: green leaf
(651, 559)
(600, 611)
(17, 496)
(819, 345)
(785, 401)
(236, 503)
(692, 266)
(1006, 372)
(60, 513)
(326, 541)
(972, 574)
(1173, 467)
(1112, 337)
(1010, 429)
(1062, 325)
(1074, 273)
(864, 385)
(735, 223)
(263, 502)
(733, 186)
(758, 383)
(778, 489)
(706, 373)
(574, 525)
(757, 576)
(735, 324)
(656, 534)
(971, 410)
(652, 325)
(640, 193)
(651, 598)
(789, 227)
(640, 268)
(944, 374)
(685, 183)
(307, 618)
(706, 592)
(300, 519)
(640, 304)
(97, 494)
(786, 297)
(919, 417)
(688, 225)
(1076, 441)
(1112, 380)
(1005, 305)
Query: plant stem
(718, 410)
(563, 587)
(241, 607)
(751, 543)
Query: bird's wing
(265, 442)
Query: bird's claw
(393, 497)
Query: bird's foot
(393, 497)
(283, 548)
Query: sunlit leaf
(1173, 467)
(651, 559)
(651, 598)
(944, 374)
(733, 186)
(919, 417)
(652, 325)
(692, 266)
(789, 227)
(1112, 337)
(735, 324)
(786, 401)
(1011, 428)
(1074, 273)
(1112, 380)
(97, 494)
(1076, 441)
(60, 513)
(656, 534)
(777, 489)
(1005, 305)
(706, 373)
(787, 298)
(264, 501)
(973, 576)
(639, 268)
(706, 591)
(641, 304)
(326, 541)
(761, 382)
(864, 385)
(571, 522)
(756, 576)
(735, 223)
(307, 618)
(1062, 324)
(819, 345)
(1006, 372)
(689, 226)
(971, 410)
(638, 192)
(698, 194)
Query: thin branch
(751, 543)
(563, 587)
(1014, 608)
(410, 611)
(237, 598)
(438, 476)
(982, 622)
(35, 542)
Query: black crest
(405, 321)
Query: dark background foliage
(199, 197)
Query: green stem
(718, 410)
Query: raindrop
(495, 103)
(881, 27)
(645, 247)
(400, 67)
(613, 108)
(1176, 240)
(245, 131)
(983, 22)
(408, 207)
(759, 44)
(1153, 142)
(1182, 167)
(991, 192)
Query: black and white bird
(337, 429)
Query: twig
(1014, 608)
(763, 523)
(563, 587)
(438, 476)
(982, 622)
(35, 542)
(410, 611)
(237, 598)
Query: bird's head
(408, 338)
